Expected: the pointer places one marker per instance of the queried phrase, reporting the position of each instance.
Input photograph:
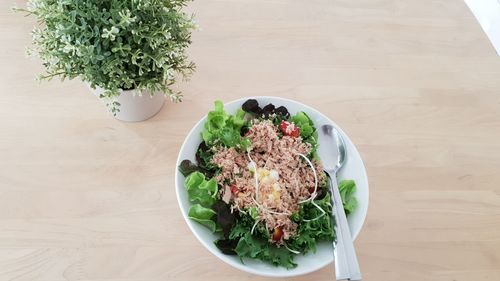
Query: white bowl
(352, 169)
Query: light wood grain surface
(414, 83)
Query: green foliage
(314, 226)
(200, 190)
(203, 215)
(307, 130)
(250, 246)
(114, 44)
(305, 123)
(347, 188)
(204, 155)
(244, 225)
(224, 127)
(257, 245)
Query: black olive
(282, 111)
(268, 110)
(251, 106)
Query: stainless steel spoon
(333, 155)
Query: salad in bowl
(257, 184)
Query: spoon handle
(346, 262)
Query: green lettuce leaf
(226, 128)
(203, 215)
(243, 226)
(204, 157)
(238, 119)
(250, 246)
(305, 124)
(200, 190)
(307, 130)
(347, 189)
(217, 118)
(319, 227)
(309, 233)
(194, 180)
(257, 245)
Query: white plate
(353, 169)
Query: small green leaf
(347, 188)
(194, 180)
(202, 215)
(200, 190)
(250, 246)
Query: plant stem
(51, 75)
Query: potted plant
(129, 51)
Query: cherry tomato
(289, 129)
(277, 234)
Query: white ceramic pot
(135, 105)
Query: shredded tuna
(284, 179)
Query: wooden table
(415, 84)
